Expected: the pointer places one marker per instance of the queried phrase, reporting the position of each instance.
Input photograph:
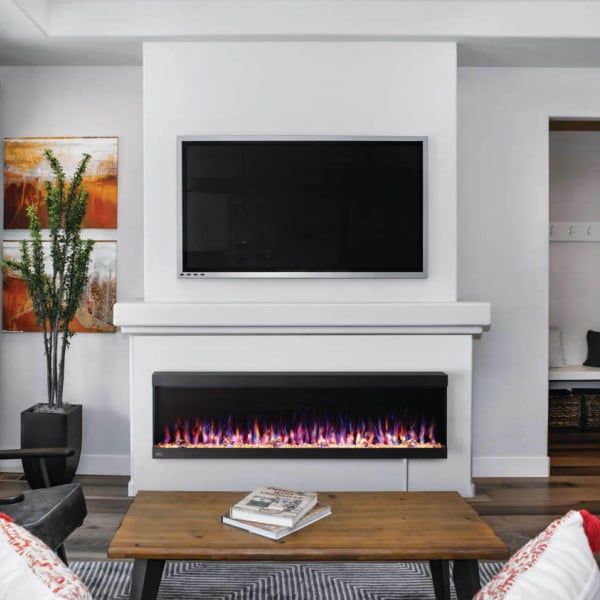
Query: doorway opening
(574, 297)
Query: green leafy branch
(56, 296)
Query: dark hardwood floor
(517, 509)
(574, 453)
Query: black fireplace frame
(307, 380)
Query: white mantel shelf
(213, 318)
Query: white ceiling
(561, 33)
(22, 42)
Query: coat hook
(551, 229)
(570, 229)
(589, 230)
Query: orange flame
(300, 433)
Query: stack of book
(275, 513)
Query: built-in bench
(574, 373)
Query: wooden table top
(364, 526)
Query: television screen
(302, 207)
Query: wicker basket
(565, 410)
(591, 407)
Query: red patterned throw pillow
(558, 564)
(29, 569)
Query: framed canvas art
(95, 315)
(26, 172)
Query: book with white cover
(274, 506)
(276, 532)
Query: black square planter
(52, 430)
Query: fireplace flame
(299, 432)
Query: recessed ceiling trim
(489, 33)
(410, 19)
(37, 11)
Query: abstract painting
(26, 171)
(96, 310)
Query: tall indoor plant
(56, 291)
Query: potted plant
(56, 281)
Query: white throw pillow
(29, 569)
(556, 565)
(556, 353)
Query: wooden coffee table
(383, 526)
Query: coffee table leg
(146, 579)
(440, 574)
(466, 579)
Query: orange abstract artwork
(95, 314)
(26, 172)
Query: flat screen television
(302, 207)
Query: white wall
(65, 101)
(322, 88)
(575, 266)
(503, 249)
(238, 88)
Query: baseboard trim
(90, 464)
(511, 466)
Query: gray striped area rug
(111, 580)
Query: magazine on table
(274, 506)
(276, 532)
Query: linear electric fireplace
(299, 415)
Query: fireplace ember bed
(299, 415)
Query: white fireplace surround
(233, 336)
(317, 89)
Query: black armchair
(50, 513)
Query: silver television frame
(298, 274)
